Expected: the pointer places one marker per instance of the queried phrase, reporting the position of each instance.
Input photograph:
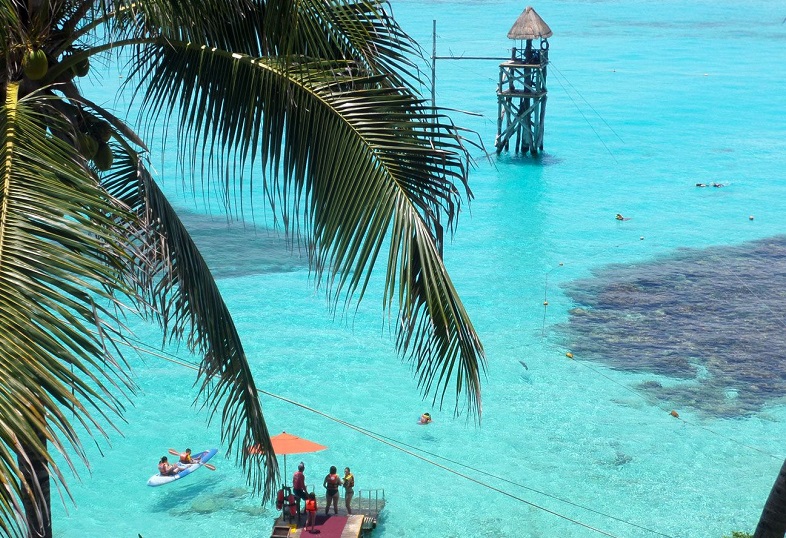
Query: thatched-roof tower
(521, 90)
(529, 26)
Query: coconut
(82, 67)
(103, 130)
(35, 64)
(104, 157)
(88, 146)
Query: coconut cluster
(93, 141)
(93, 134)
(35, 65)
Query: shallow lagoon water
(645, 101)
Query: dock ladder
(370, 503)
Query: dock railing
(370, 501)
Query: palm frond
(186, 301)
(354, 161)
(62, 253)
(358, 30)
(318, 95)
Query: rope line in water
(661, 407)
(398, 445)
(597, 134)
(554, 67)
(562, 264)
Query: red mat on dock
(327, 526)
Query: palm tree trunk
(37, 473)
(772, 523)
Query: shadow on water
(234, 249)
(207, 497)
(712, 320)
(177, 495)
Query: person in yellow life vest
(425, 418)
(185, 457)
(349, 489)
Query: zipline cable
(396, 444)
(503, 479)
(597, 134)
(554, 67)
(146, 348)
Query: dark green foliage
(317, 97)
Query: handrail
(373, 498)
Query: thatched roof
(528, 26)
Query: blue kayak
(186, 469)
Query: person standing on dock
(332, 482)
(299, 485)
(349, 489)
(311, 511)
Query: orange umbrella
(285, 443)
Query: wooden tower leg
(500, 113)
(542, 120)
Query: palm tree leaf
(351, 159)
(186, 301)
(62, 249)
(318, 95)
(362, 31)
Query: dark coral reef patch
(710, 321)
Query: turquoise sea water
(645, 100)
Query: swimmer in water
(425, 418)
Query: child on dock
(311, 510)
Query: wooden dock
(295, 528)
(366, 508)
